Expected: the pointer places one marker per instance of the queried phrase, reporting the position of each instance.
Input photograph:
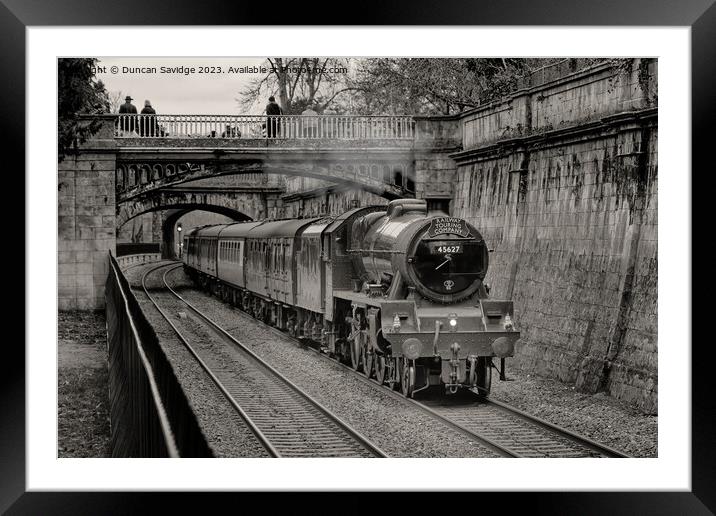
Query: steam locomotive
(396, 292)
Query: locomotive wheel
(381, 367)
(407, 378)
(355, 353)
(368, 360)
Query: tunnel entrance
(159, 226)
(188, 219)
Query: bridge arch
(237, 205)
(390, 177)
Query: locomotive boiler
(395, 291)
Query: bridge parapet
(257, 127)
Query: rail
(340, 438)
(492, 446)
(280, 127)
(493, 443)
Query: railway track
(523, 434)
(505, 430)
(285, 420)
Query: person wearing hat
(128, 108)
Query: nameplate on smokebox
(448, 226)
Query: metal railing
(134, 259)
(282, 127)
(150, 415)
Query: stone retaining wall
(571, 214)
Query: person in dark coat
(148, 125)
(128, 108)
(273, 125)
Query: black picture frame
(700, 15)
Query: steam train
(396, 292)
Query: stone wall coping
(584, 72)
(260, 150)
(562, 132)
(100, 116)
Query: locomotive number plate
(445, 249)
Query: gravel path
(225, 431)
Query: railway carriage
(397, 292)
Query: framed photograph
(453, 244)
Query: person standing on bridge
(273, 124)
(129, 109)
(310, 123)
(148, 124)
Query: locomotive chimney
(400, 207)
(438, 206)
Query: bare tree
(115, 100)
(296, 82)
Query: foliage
(432, 86)
(443, 86)
(78, 93)
(420, 86)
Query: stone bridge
(368, 153)
(135, 164)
